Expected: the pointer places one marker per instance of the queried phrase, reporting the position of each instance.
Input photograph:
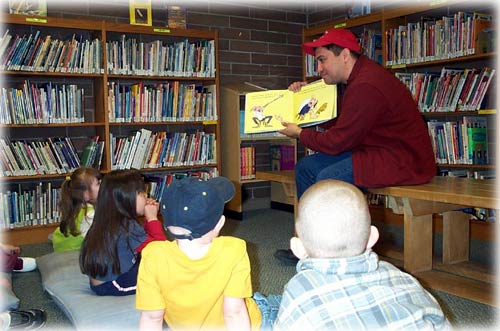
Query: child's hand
(151, 210)
(10, 249)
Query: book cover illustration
(28, 7)
(313, 104)
(140, 12)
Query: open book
(314, 103)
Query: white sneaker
(29, 264)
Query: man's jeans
(316, 167)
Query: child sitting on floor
(200, 280)
(111, 248)
(78, 196)
(340, 283)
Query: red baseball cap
(340, 37)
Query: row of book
(432, 39)
(461, 142)
(247, 162)
(35, 52)
(156, 184)
(42, 103)
(453, 89)
(147, 149)
(169, 101)
(37, 206)
(37, 157)
(128, 56)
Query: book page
(264, 111)
(315, 103)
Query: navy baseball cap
(195, 204)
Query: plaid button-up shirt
(356, 293)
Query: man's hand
(296, 86)
(291, 130)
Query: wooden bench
(418, 203)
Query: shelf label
(211, 122)
(398, 66)
(340, 25)
(36, 20)
(161, 30)
(486, 111)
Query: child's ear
(373, 238)
(297, 248)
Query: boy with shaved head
(340, 283)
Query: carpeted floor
(265, 231)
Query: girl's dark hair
(114, 210)
(72, 199)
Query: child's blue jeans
(268, 308)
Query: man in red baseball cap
(379, 137)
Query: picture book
(314, 103)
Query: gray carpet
(265, 231)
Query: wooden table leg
(417, 243)
(455, 237)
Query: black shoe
(30, 319)
(286, 256)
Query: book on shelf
(93, 153)
(28, 7)
(140, 12)
(282, 157)
(247, 156)
(355, 8)
(483, 31)
(477, 135)
(314, 103)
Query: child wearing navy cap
(200, 280)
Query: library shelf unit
(392, 17)
(131, 81)
(232, 102)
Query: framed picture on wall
(140, 12)
(28, 7)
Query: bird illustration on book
(260, 117)
(307, 107)
(322, 108)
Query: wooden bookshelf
(202, 46)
